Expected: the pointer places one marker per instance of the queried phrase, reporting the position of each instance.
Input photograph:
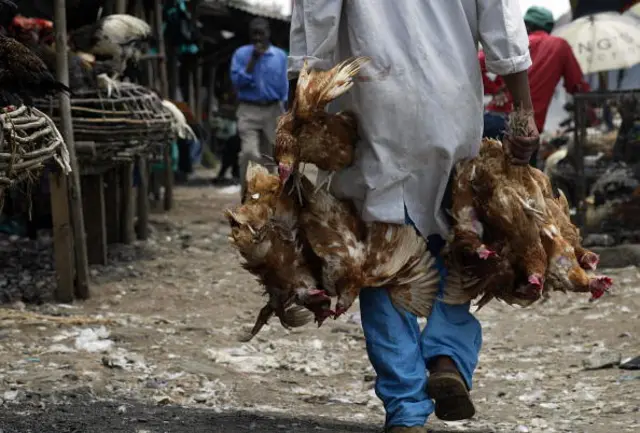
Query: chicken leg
(326, 183)
(296, 186)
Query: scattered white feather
(179, 123)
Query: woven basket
(117, 124)
(27, 143)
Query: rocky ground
(155, 349)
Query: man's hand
(258, 51)
(520, 149)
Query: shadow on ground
(106, 417)
(82, 414)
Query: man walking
(552, 59)
(420, 111)
(259, 76)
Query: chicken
(307, 133)
(265, 232)
(179, 122)
(119, 37)
(264, 188)
(564, 272)
(356, 255)
(559, 210)
(489, 189)
(511, 234)
(24, 76)
(81, 72)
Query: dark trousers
(495, 125)
(185, 164)
(230, 154)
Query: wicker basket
(28, 142)
(116, 124)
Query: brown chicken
(356, 255)
(511, 233)
(262, 187)
(492, 204)
(307, 133)
(24, 76)
(265, 231)
(559, 211)
(564, 272)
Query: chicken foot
(326, 183)
(296, 186)
(263, 317)
(598, 286)
(317, 301)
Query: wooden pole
(162, 62)
(126, 203)
(142, 197)
(94, 211)
(121, 6)
(62, 237)
(164, 89)
(77, 220)
(198, 108)
(112, 202)
(191, 84)
(580, 137)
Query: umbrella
(634, 11)
(603, 42)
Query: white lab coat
(422, 110)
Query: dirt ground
(160, 338)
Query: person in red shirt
(552, 59)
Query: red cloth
(552, 59)
(32, 23)
(491, 87)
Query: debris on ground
(165, 316)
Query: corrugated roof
(258, 9)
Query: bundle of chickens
(304, 245)
(512, 237)
(307, 247)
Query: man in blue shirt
(259, 76)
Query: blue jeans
(400, 353)
(494, 125)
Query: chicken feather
(511, 234)
(356, 255)
(23, 75)
(307, 133)
(264, 229)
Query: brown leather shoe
(449, 390)
(407, 430)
